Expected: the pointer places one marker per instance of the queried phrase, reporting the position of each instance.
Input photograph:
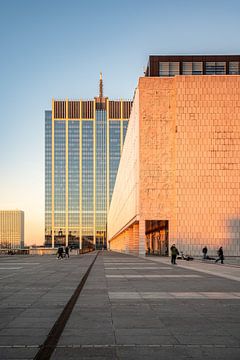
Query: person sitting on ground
(174, 253)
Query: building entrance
(156, 237)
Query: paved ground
(129, 308)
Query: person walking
(174, 253)
(205, 250)
(220, 255)
(67, 251)
(60, 253)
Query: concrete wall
(189, 163)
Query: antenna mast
(101, 86)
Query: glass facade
(73, 183)
(172, 68)
(101, 177)
(234, 68)
(192, 68)
(59, 182)
(169, 68)
(87, 182)
(114, 152)
(86, 158)
(171, 65)
(215, 68)
(125, 126)
(48, 177)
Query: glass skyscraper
(83, 144)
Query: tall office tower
(83, 145)
(11, 229)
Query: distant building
(83, 145)
(178, 178)
(11, 229)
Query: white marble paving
(127, 263)
(175, 295)
(124, 295)
(156, 295)
(226, 272)
(221, 295)
(10, 268)
(153, 276)
(138, 268)
(18, 263)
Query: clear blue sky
(57, 48)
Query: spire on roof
(101, 86)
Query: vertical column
(121, 128)
(53, 153)
(94, 172)
(66, 172)
(227, 67)
(130, 240)
(141, 237)
(108, 165)
(80, 177)
(107, 155)
(22, 229)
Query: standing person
(220, 255)
(174, 253)
(60, 253)
(67, 251)
(205, 250)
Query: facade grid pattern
(184, 132)
(83, 170)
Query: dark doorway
(156, 237)
(87, 242)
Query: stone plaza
(129, 307)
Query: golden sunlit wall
(188, 155)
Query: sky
(56, 49)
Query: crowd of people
(175, 253)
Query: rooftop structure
(171, 65)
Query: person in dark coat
(174, 253)
(60, 253)
(220, 255)
(67, 251)
(205, 250)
